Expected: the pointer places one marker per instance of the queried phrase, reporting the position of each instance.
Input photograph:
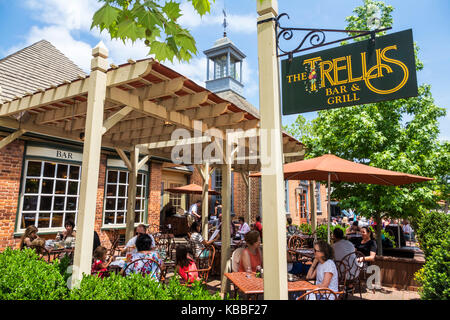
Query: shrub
(24, 276)
(322, 231)
(434, 277)
(305, 228)
(431, 229)
(137, 287)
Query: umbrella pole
(329, 207)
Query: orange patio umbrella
(332, 168)
(191, 189)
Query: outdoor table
(305, 252)
(254, 286)
(233, 243)
(117, 265)
(56, 252)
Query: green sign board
(357, 73)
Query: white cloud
(62, 23)
(195, 70)
(72, 14)
(242, 23)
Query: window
(175, 198)
(220, 67)
(50, 194)
(318, 204)
(218, 183)
(117, 197)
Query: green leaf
(128, 29)
(172, 10)
(202, 6)
(105, 17)
(161, 50)
(147, 17)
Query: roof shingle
(38, 66)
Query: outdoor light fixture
(82, 136)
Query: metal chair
(147, 265)
(350, 272)
(204, 263)
(321, 294)
(295, 242)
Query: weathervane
(225, 24)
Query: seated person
(290, 229)
(214, 216)
(251, 257)
(296, 267)
(243, 229)
(39, 245)
(28, 237)
(258, 226)
(101, 263)
(353, 234)
(185, 265)
(144, 246)
(342, 248)
(368, 245)
(353, 230)
(131, 244)
(67, 235)
(323, 269)
(198, 240)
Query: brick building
(40, 174)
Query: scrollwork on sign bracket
(315, 37)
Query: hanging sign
(358, 73)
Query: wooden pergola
(135, 108)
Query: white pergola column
(91, 163)
(272, 193)
(226, 223)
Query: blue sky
(67, 25)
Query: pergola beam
(115, 118)
(225, 120)
(115, 77)
(161, 89)
(206, 112)
(149, 108)
(185, 102)
(10, 138)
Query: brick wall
(255, 203)
(11, 158)
(240, 196)
(154, 197)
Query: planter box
(399, 272)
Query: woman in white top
(323, 268)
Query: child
(184, 263)
(29, 235)
(100, 265)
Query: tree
(400, 135)
(152, 22)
